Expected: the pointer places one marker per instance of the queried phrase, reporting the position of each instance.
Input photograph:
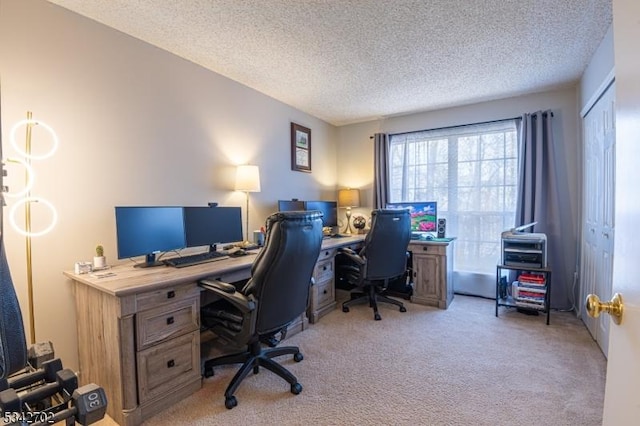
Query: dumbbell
(66, 382)
(89, 404)
(39, 353)
(47, 373)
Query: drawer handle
(170, 320)
(425, 248)
(326, 253)
(324, 268)
(324, 292)
(171, 294)
(171, 363)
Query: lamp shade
(248, 178)
(349, 197)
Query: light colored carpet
(461, 366)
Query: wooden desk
(139, 330)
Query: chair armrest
(352, 255)
(228, 292)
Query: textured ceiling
(353, 61)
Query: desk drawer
(323, 271)
(324, 294)
(432, 249)
(326, 254)
(164, 322)
(167, 366)
(152, 299)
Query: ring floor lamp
(26, 200)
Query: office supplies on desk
(195, 259)
(236, 252)
(103, 274)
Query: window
(471, 172)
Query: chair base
(373, 298)
(252, 359)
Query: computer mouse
(429, 237)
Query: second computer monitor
(208, 226)
(329, 211)
(290, 205)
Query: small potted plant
(99, 261)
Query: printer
(524, 249)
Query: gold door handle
(614, 308)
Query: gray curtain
(380, 170)
(544, 197)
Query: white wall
(355, 162)
(600, 67)
(137, 126)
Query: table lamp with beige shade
(247, 180)
(347, 199)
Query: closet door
(598, 210)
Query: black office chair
(276, 294)
(383, 257)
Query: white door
(598, 208)
(622, 398)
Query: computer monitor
(290, 205)
(208, 226)
(146, 231)
(424, 215)
(329, 211)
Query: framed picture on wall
(300, 148)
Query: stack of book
(530, 291)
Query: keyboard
(195, 259)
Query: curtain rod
(462, 125)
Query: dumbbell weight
(47, 373)
(89, 404)
(66, 382)
(39, 353)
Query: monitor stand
(150, 261)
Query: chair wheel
(208, 372)
(345, 309)
(403, 309)
(296, 388)
(377, 317)
(298, 357)
(231, 402)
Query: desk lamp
(348, 198)
(247, 180)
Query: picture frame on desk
(300, 148)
